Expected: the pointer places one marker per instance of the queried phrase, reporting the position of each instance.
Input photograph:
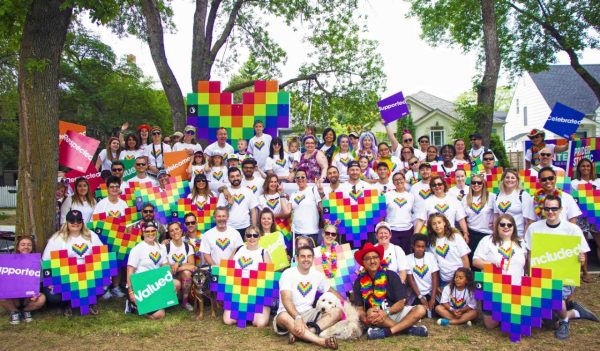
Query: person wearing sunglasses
(189, 141)
(328, 251)
(247, 257)
(545, 160)
(440, 202)
(72, 236)
(502, 248)
(201, 192)
(423, 143)
(112, 205)
(148, 212)
(547, 178)
(412, 173)
(117, 169)
(306, 208)
(555, 224)
(477, 147)
(141, 173)
(146, 255)
(155, 151)
(514, 200)
(532, 155)
(221, 146)
(192, 237)
(83, 200)
(479, 208)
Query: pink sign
(77, 151)
(91, 174)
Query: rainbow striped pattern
(80, 283)
(356, 220)
(245, 292)
(298, 199)
(259, 144)
(457, 303)
(223, 243)
(163, 200)
(245, 262)
(204, 215)
(280, 162)
(239, 198)
(155, 256)
(518, 307)
(421, 271)
(114, 233)
(304, 288)
(128, 195)
(588, 200)
(178, 258)
(400, 202)
(284, 226)
(346, 268)
(476, 207)
(442, 250)
(425, 193)
(506, 253)
(356, 195)
(441, 208)
(209, 109)
(80, 249)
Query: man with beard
(421, 190)
(250, 181)
(221, 241)
(333, 175)
(240, 201)
(354, 187)
(148, 212)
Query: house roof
(434, 102)
(499, 117)
(517, 137)
(562, 83)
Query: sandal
(291, 339)
(331, 343)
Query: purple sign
(20, 275)
(393, 107)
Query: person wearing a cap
(407, 141)
(156, 150)
(78, 240)
(240, 200)
(421, 190)
(355, 186)
(221, 146)
(399, 215)
(537, 137)
(141, 173)
(298, 287)
(353, 141)
(260, 144)
(163, 179)
(250, 181)
(189, 141)
(215, 168)
(477, 147)
(233, 161)
(131, 148)
(176, 137)
(200, 193)
(394, 257)
(380, 298)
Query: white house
(536, 94)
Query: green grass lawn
(113, 330)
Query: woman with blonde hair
(479, 207)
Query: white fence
(8, 196)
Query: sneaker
(443, 322)
(418, 331)
(469, 324)
(67, 312)
(188, 307)
(563, 330)
(375, 333)
(26, 315)
(584, 312)
(130, 307)
(107, 295)
(15, 318)
(117, 292)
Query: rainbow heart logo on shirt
(259, 144)
(476, 207)
(421, 270)
(156, 153)
(506, 253)
(356, 195)
(442, 250)
(217, 175)
(79, 249)
(425, 193)
(442, 208)
(155, 256)
(457, 303)
(504, 206)
(114, 214)
(223, 243)
(400, 202)
(345, 161)
(238, 198)
(253, 188)
(245, 262)
(178, 258)
(129, 157)
(413, 180)
(280, 162)
(304, 288)
(272, 204)
(198, 171)
(298, 199)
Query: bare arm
(465, 261)
(392, 137)
(322, 161)
(208, 259)
(418, 225)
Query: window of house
(437, 137)
(517, 106)
(525, 115)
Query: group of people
(417, 263)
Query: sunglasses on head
(505, 225)
(547, 179)
(252, 235)
(190, 223)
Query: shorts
(567, 290)
(307, 316)
(397, 317)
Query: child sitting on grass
(457, 305)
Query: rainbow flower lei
(538, 201)
(373, 291)
(324, 261)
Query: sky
(411, 64)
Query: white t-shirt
(399, 210)
(528, 152)
(259, 148)
(357, 190)
(144, 257)
(395, 258)
(422, 270)
(106, 163)
(223, 151)
(303, 287)
(510, 255)
(86, 209)
(220, 245)
(448, 206)
(520, 210)
(570, 209)
(272, 201)
(479, 216)
(146, 179)
(564, 228)
(180, 146)
(178, 254)
(256, 185)
(111, 210)
(244, 200)
(305, 208)
(77, 247)
(448, 254)
(458, 299)
(421, 192)
(248, 259)
(455, 192)
(446, 171)
(536, 169)
(384, 188)
(279, 166)
(155, 154)
(200, 200)
(131, 154)
(218, 174)
(340, 161)
(576, 182)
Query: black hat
(475, 136)
(424, 165)
(74, 216)
(353, 164)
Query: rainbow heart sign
(518, 307)
(204, 215)
(113, 232)
(588, 200)
(531, 184)
(163, 200)
(345, 275)
(210, 109)
(245, 292)
(128, 194)
(80, 283)
(358, 219)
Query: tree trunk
(201, 65)
(486, 92)
(157, 50)
(584, 74)
(42, 41)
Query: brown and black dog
(201, 280)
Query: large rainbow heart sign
(356, 220)
(210, 109)
(80, 283)
(518, 307)
(531, 184)
(113, 232)
(204, 215)
(163, 200)
(588, 200)
(492, 180)
(284, 225)
(345, 274)
(245, 292)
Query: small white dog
(346, 329)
